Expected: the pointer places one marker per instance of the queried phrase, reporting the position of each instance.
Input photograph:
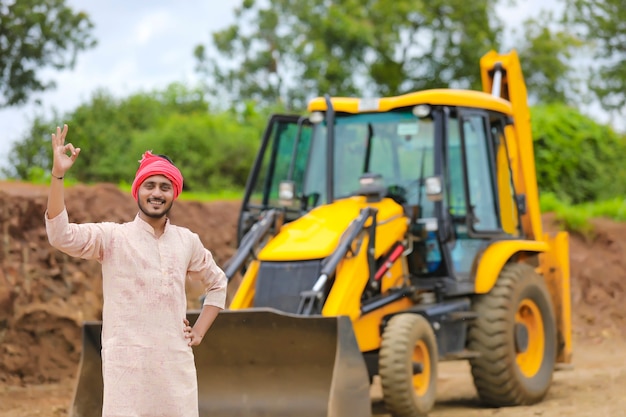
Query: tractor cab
(445, 164)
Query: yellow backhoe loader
(378, 237)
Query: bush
(214, 150)
(576, 158)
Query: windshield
(284, 157)
(396, 145)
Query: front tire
(515, 334)
(408, 341)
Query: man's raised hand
(64, 154)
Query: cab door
(479, 186)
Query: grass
(575, 218)
(230, 195)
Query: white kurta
(148, 367)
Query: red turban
(150, 165)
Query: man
(147, 359)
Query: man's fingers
(72, 150)
(62, 133)
(187, 330)
(58, 138)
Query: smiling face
(155, 197)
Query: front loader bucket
(265, 363)
(257, 363)
(88, 394)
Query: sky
(143, 46)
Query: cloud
(141, 46)
(154, 25)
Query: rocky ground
(46, 295)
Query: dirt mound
(45, 295)
(598, 267)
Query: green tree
(36, 34)
(215, 149)
(31, 154)
(577, 159)
(601, 24)
(106, 129)
(289, 50)
(546, 51)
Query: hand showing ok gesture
(64, 154)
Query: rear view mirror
(434, 188)
(286, 193)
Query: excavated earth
(45, 295)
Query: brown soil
(46, 295)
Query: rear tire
(515, 334)
(408, 339)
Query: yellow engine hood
(316, 234)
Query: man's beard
(155, 215)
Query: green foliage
(575, 218)
(233, 194)
(38, 175)
(106, 128)
(214, 150)
(31, 153)
(571, 218)
(601, 24)
(36, 34)
(577, 159)
(289, 50)
(549, 202)
(546, 53)
(613, 209)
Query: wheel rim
(529, 315)
(421, 380)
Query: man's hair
(166, 158)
